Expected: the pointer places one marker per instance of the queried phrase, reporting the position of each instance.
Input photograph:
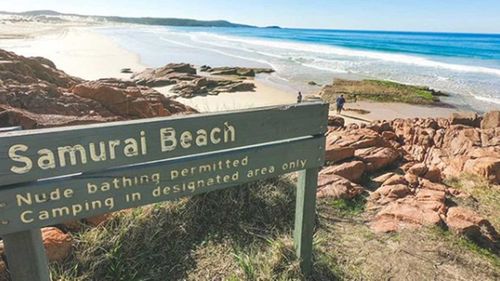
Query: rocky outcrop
(352, 171)
(236, 71)
(335, 121)
(210, 86)
(337, 187)
(35, 94)
(447, 145)
(16, 71)
(465, 118)
(491, 120)
(187, 83)
(127, 99)
(167, 75)
(416, 155)
(466, 222)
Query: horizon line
(265, 26)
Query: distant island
(142, 20)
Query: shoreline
(82, 52)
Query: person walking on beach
(340, 104)
(299, 97)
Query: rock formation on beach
(236, 71)
(379, 90)
(402, 163)
(187, 83)
(35, 94)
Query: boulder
(405, 214)
(412, 180)
(400, 208)
(388, 135)
(382, 178)
(389, 193)
(127, 99)
(350, 170)
(418, 170)
(336, 187)
(465, 118)
(335, 153)
(58, 245)
(360, 138)
(237, 71)
(486, 167)
(166, 75)
(433, 174)
(491, 120)
(395, 179)
(466, 222)
(335, 121)
(377, 158)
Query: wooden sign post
(51, 176)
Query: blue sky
(412, 15)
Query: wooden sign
(129, 164)
(37, 154)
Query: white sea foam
(487, 99)
(338, 51)
(216, 51)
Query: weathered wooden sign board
(51, 176)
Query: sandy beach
(75, 49)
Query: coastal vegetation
(379, 91)
(54, 16)
(246, 234)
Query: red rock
(406, 166)
(491, 120)
(432, 199)
(34, 94)
(389, 193)
(333, 186)
(465, 118)
(335, 121)
(335, 153)
(350, 170)
(405, 214)
(58, 245)
(377, 158)
(395, 180)
(418, 170)
(466, 222)
(490, 140)
(412, 180)
(388, 135)
(487, 167)
(433, 174)
(427, 184)
(456, 193)
(382, 178)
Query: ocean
(465, 65)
